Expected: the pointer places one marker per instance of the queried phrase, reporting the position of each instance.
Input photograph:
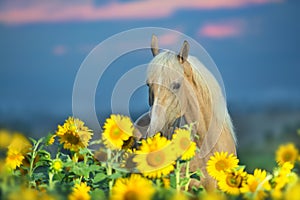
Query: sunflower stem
(177, 175)
(187, 175)
(51, 185)
(109, 169)
(31, 169)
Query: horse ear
(154, 45)
(184, 52)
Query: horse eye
(176, 86)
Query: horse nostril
(175, 86)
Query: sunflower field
(68, 164)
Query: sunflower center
(184, 143)
(131, 195)
(72, 139)
(57, 165)
(287, 156)
(234, 180)
(221, 165)
(115, 132)
(155, 159)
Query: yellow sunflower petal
(80, 191)
(73, 134)
(256, 185)
(190, 152)
(181, 142)
(13, 159)
(5, 138)
(286, 153)
(155, 157)
(117, 129)
(135, 187)
(293, 192)
(19, 144)
(220, 162)
(231, 181)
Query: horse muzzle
(158, 120)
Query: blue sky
(255, 44)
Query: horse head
(168, 86)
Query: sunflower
(50, 139)
(17, 150)
(25, 194)
(257, 184)
(57, 165)
(190, 152)
(286, 153)
(127, 160)
(13, 159)
(166, 182)
(293, 192)
(182, 145)
(181, 140)
(213, 195)
(179, 196)
(5, 139)
(231, 181)
(281, 176)
(286, 168)
(135, 187)
(220, 162)
(155, 157)
(19, 144)
(276, 194)
(80, 192)
(73, 134)
(117, 130)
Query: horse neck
(199, 103)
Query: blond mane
(203, 75)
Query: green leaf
(115, 175)
(94, 168)
(197, 175)
(99, 177)
(173, 181)
(39, 176)
(98, 194)
(197, 190)
(80, 171)
(44, 152)
(240, 167)
(184, 181)
(32, 140)
(41, 164)
(83, 151)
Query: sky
(254, 43)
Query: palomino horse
(180, 87)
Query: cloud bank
(41, 11)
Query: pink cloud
(222, 29)
(55, 10)
(59, 50)
(168, 39)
